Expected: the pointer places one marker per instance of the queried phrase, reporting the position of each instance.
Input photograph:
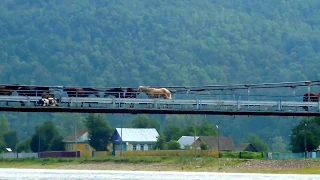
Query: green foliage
(99, 131)
(311, 132)
(161, 139)
(241, 154)
(107, 43)
(203, 146)
(142, 121)
(204, 129)
(11, 139)
(278, 144)
(4, 124)
(172, 132)
(24, 146)
(258, 143)
(57, 144)
(174, 145)
(68, 121)
(44, 137)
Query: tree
(311, 131)
(67, 122)
(204, 129)
(11, 139)
(99, 131)
(278, 144)
(57, 144)
(4, 124)
(258, 143)
(43, 137)
(174, 145)
(24, 146)
(142, 121)
(161, 139)
(172, 132)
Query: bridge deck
(163, 106)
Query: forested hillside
(150, 42)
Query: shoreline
(200, 164)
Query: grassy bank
(171, 163)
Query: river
(43, 174)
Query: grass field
(171, 163)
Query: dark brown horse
(81, 92)
(121, 93)
(32, 90)
(7, 91)
(314, 97)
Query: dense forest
(149, 42)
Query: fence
(212, 153)
(291, 155)
(19, 155)
(59, 154)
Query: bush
(204, 146)
(174, 145)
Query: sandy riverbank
(295, 166)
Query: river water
(42, 174)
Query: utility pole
(75, 138)
(194, 139)
(305, 141)
(121, 138)
(39, 145)
(217, 126)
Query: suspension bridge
(265, 99)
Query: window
(142, 147)
(149, 146)
(134, 147)
(87, 147)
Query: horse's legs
(22, 103)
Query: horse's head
(141, 88)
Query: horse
(155, 93)
(81, 92)
(121, 93)
(8, 91)
(314, 97)
(47, 102)
(31, 91)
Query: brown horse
(121, 93)
(32, 90)
(81, 92)
(7, 91)
(314, 97)
(155, 93)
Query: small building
(246, 147)
(78, 141)
(187, 141)
(133, 139)
(225, 143)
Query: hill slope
(148, 42)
